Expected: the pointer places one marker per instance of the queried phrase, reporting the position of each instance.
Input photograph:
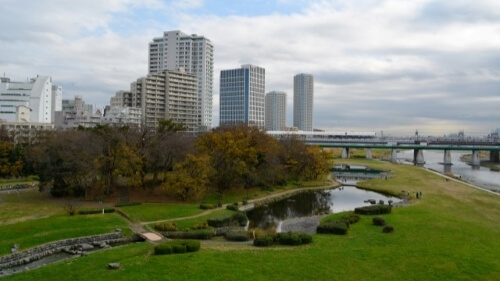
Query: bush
(198, 234)
(233, 207)
(333, 228)
(373, 210)
(237, 219)
(177, 247)
(351, 218)
(203, 225)
(241, 218)
(166, 226)
(125, 204)
(163, 249)
(378, 221)
(263, 241)
(388, 229)
(237, 236)
(207, 206)
(91, 211)
(293, 238)
(244, 202)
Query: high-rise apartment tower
(242, 96)
(275, 111)
(193, 53)
(303, 94)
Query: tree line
(96, 162)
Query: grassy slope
(450, 234)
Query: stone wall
(67, 245)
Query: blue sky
(390, 65)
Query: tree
(190, 178)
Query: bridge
(369, 141)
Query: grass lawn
(160, 211)
(35, 232)
(451, 234)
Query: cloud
(378, 65)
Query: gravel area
(305, 225)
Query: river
(480, 176)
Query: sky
(387, 66)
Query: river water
(480, 176)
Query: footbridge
(369, 141)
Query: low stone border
(72, 246)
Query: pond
(312, 203)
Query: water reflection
(313, 203)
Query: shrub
(263, 241)
(332, 227)
(198, 234)
(163, 249)
(351, 218)
(203, 225)
(124, 204)
(378, 221)
(91, 211)
(293, 238)
(237, 236)
(232, 207)
(373, 210)
(388, 229)
(207, 206)
(241, 218)
(177, 247)
(245, 202)
(237, 219)
(166, 226)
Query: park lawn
(189, 223)
(28, 234)
(27, 205)
(150, 212)
(450, 234)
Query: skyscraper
(275, 111)
(303, 93)
(242, 96)
(195, 54)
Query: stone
(114, 265)
(86, 247)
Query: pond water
(312, 203)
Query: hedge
(166, 226)
(237, 236)
(125, 204)
(207, 206)
(237, 219)
(378, 221)
(373, 210)
(388, 229)
(95, 211)
(177, 247)
(333, 228)
(286, 238)
(197, 234)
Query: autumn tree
(189, 179)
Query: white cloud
(380, 64)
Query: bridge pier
(394, 156)
(475, 158)
(447, 157)
(418, 157)
(368, 153)
(345, 153)
(495, 156)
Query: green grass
(160, 211)
(27, 205)
(450, 234)
(189, 223)
(35, 232)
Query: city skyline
(387, 66)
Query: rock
(86, 247)
(118, 230)
(114, 265)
